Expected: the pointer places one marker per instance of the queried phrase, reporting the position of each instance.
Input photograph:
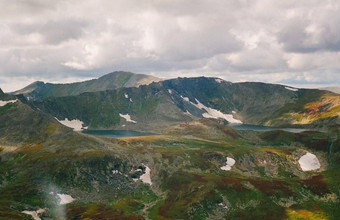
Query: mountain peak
(113, 80)
(30, 88)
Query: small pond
(265, 128)
(116, 133)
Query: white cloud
(272, 41)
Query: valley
(171, 150)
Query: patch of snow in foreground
(223, 206)
(230, 162)
(309, 162)
(219, 80)
(146, 176)
(76, 124)
(3, 103)
(65, 199)
(35, 214)
(127, 117)
(213, 113)
(291, 89)
(126, 95)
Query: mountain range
(194, 166)
(41, 90)
(163, 103)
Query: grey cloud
(53, 32)
(255, 40)
(306, 34)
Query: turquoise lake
(116, 133)
(264, 128)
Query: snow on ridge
(127, 117)
(185, 99)
(145, 178)
(187, 112)
(291, 89)
(230, 162)
(213, 113)
(3, 103)
(309, 162)
(218, 80)
(76, 124)
(34, 214)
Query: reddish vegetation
(230, 132)
(9, 216)
(313, 109)
(199, 178)
(226, 182)
(316, 184)
(97, 211)
(271, 187)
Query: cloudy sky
(288, 42)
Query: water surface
(116, 133)
(265, 128)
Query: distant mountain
(156, 106)
(335, 89)
(40, 90)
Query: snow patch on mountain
(185, 99)
(145, 178)
(218, 80)
(188, 113)
(291, 89)
(169, 90)
(213, 113)
(35, 214)
(127, 117)
(230, 162)
(126, 95)
(76, 124)
(309, 162)
(3, 103)
(65, 199)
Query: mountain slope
(149, 108)
(40, 90)
(160, 105)
(335, 89)
(198, 169)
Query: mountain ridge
(161, 104)
(40, 90)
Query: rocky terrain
(195, 167)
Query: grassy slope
(110, 81)
(185, 169)
(150, 106)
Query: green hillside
(114, 80)
(160, 105)
(103, 175)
